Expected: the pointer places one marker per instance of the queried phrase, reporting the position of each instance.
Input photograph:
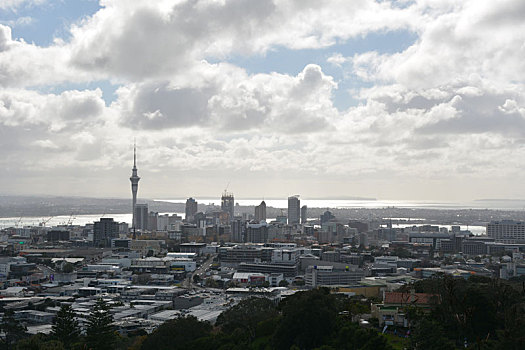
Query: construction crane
(70, 220)
(44, 222)
(18, 222)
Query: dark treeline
(480, 313)
(305, 320)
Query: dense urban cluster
(228, 278)
(241, 280)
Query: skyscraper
(103, 231)
(227, 204)
(134, 185)
(294, 210)
(141, 217)
(304, 214)
(191, 209)
(260, 212)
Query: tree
(100, 330)
(68, 268)
(308, 319)
(39, 342)
(12, 329)
(177, 334)
(247, 315)
(283, 283)
(65, 326)
(429, 334)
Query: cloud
(233, 102)
(443, 108)
(70, 110)
(464, 43)
(13, 5)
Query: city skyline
(408, 100)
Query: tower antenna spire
(134, 185)
(134, 153)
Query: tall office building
(153, 220)
(507, 231)
(260, 212)
(294, 210)
(134, 185)
(304, 214)
(326, 217)
(104, 231)
(191, 209)
(257, 233)
(141, 217)
(227, 204)
(238, 230)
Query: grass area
(398, 343)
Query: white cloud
(13, 5)
(440, 111)
(233, 102)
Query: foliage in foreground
(306, 320)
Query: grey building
(141, 217)
(317, 276)
(191, 209)
(104, 231)
(257, 233)
(260, 212)
(294, 210)
(304, 214)
(507, 231)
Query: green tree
(39, 342)
(68, 268)
(247, 315)
(181, 333)
(65, 326)
(12, 330)
(308, 319)
(429, 334)
(283, 283)
(100, 331)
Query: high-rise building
(227, 204)
(104, 231)
(141, 217)
(304, 214)
(134, 185)
(326, 217)
(257, 233)
(238, 230)
(507, 231)
(191, 209)
(152, 220)
(260, 212)
(294, 210)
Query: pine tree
(100, 330)
(65, 326)
(11, 329)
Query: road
(200, 271)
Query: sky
(403, 99)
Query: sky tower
(134, 184)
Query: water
(89, 219)
(501, 204)
(476, 230)
(64, 220)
